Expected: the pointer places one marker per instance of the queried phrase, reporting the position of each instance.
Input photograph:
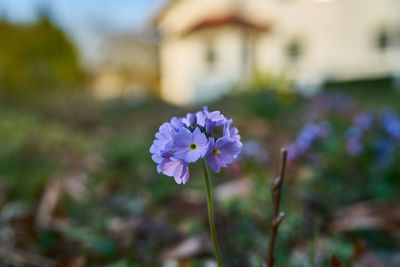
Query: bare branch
(277, 217)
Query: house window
(382, 40)
(210, 56)
(387, 38)
(294, 50)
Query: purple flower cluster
(185, 140)
(333, 102)
(307, 136)
(362, 123)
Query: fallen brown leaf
(335, 262)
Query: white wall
(338, 38)
(186, 76)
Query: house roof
(232, 17)
(226, 19)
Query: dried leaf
(19, 257)
(72, 185)
(73, 262)
(335, 262)
(188, 248)
(368, 216)
(240, 188)
(365, 258)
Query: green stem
(211, 213)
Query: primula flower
(210, 125)
(163, 137)
(215, 116)
(170, 166)
(189, 146)
(232, 133)
(186, 140)
(222, 152)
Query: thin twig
(277, 217)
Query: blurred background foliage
(36, 58)
(74, 193)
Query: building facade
(208, 46)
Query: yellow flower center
(215, 151)
(193, 146)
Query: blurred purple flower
(333, 102)
(293, 153)
(306, 138)
(353, 146)
(186, 140)
(363, 121)
(391, 123)
(309, 134)
(353, 141)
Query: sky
(87, 22)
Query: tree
(35, 60)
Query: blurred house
(128, 69)
(207, 46)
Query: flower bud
(191, 118)
(210, 125)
